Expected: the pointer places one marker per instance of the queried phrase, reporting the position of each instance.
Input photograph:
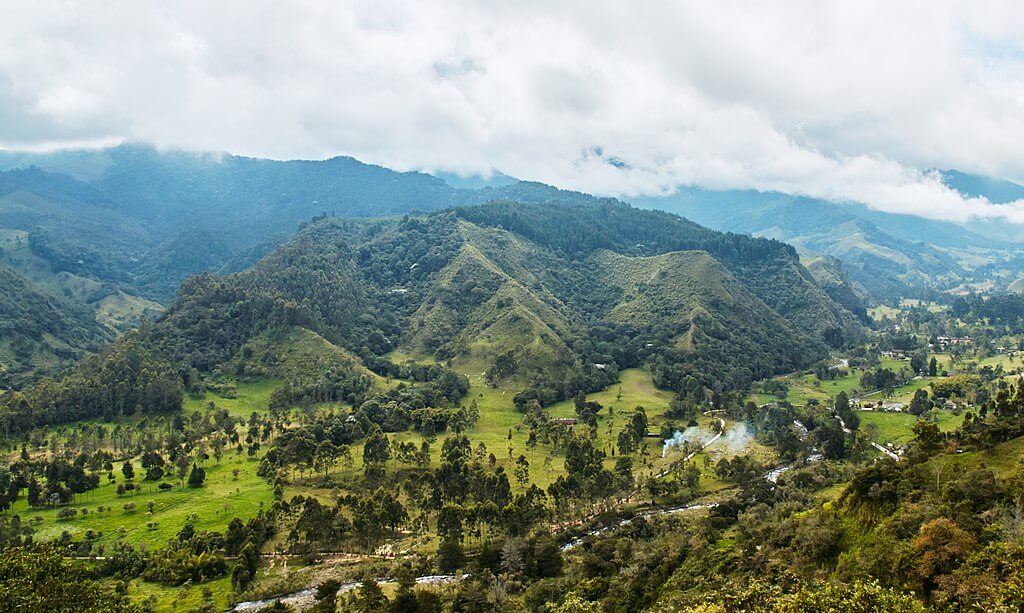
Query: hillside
(882, 252)
(40, 334)
(688, 302)
(513, 300)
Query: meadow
(222, 497)
(897, 428)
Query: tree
(376, 450)
(370, 598)
(919, 404)
(35, 493)
(522, 471)
(240, 577)
(627, 444)
(405, 598)
(638, 424)
(128, 470)
(325, 456)
(933, 367)
(941, 545)
(38, 579)
(197, 476)
(929, 437)
(842, 403)
(299, 450)
(918, 362)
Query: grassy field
(222, 498)
(903, 393)
(252, 396)
(805, 387)
(499, 417)
(1004, 458)
(897, 428)
(225, 496)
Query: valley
(515, 404)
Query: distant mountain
(154, 217)
(997, 191)
(496, 179)
(884, 253)
(145, 219)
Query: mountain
(997, 191)
(40, 334)
(884, 253)
(557, 296)
(475, 181)
(144, 219)
(162, 215)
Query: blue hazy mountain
(881, 251)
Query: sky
(841, 100)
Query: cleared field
(897, 428)
(222, 498)
(252, 396)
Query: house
(949, 341)
(564, 421)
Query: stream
(307, 597)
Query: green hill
(689, 302)
(40, 334)
(559, 296)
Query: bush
(66, 513)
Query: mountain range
(107, 236)
(885, 254)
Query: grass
(122, 312)
(1004, 458)
(903, 393)
(897, 428)
(182, 598)
(252, 396)
(221, 499)
(499, 417)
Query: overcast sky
(845, 100)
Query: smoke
(692, 435)
(737, 438)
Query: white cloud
(833, 99)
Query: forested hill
(489, 287)
(146, 219)
(40, 333)
(767, 267)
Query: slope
(40, 334)
(485, 305)
(768, 268)
(689, 302)
(881, 251)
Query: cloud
(847, 101)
